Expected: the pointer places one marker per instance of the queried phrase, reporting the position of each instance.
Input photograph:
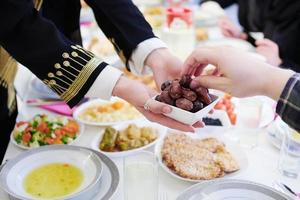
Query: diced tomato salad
(46, 130)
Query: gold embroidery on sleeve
(69, 76)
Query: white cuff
(105, 83)
(139, 55)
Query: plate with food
(98, 112)
(128, 138)
(44, 130)
(59, 172)
(195, 158)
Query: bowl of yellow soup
(53, 172)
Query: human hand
(269, 50)
(242, 74)
(229, 29)
(164, 65)
(138, 95)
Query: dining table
(262, 166)
(262, 158)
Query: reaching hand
(164, 65)
(242, 74)
(229, 29)
(139, 95)
(269, 50)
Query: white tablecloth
(262, 161)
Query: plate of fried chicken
(199, 157)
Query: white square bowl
(190, 118)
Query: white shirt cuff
(140, 54)
(105, 83)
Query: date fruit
(179, 93)
(184, 104)
(165, 98)
(189, 94)
(198, 105)
(203, 95)
(165, 85)
(175, 90)
(185, 81)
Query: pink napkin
(60, 108)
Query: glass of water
(141, 177)
(289, 161)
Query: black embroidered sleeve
(36, 43)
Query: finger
(200, 58)
(226, 30)
(265, 42)
(166, 121)
(151, 92)
(158, 107)
(212, 82)
(199, 70)
(262, 49)
(198, 124)
(243, 36)
(226, 33)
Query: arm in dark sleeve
(288, 106)
(36, 43)
(223, 3)
(122, 23)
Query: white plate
(96, 102)
(231, 190)
(15, 170)
(12, 139)
(233, 148)
(161, 131)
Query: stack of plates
(96, 169)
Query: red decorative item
(182, 13)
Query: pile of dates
(178, 93)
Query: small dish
(78, 134)
(190, 118)
(98, 102)
(222, 116)
(233, 148)
(161, 131)
(15, 170)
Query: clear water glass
(289, 160)
(141, 177)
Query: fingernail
(167, 109)
(194, 84)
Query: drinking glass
(289, 160)
(141, 177)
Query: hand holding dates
(179, 93)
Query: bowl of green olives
(189, 105)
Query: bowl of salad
(44, 130)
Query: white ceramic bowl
(190, 118)
(161, 131)
(14, 171)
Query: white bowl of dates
(188, 105)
